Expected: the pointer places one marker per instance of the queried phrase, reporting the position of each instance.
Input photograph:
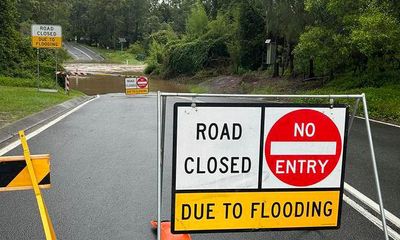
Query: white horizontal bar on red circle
(303, 148)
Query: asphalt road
(82, 53)
(104, 177)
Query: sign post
(46, 36)
(246, 167)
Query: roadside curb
(9, 133)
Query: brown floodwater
(98, 84)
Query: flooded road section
(93, 79)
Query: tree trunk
(276, 63)
(311, 73)
(291, 61)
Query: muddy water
(97, 84)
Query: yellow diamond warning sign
(257, 166)
(46, 36)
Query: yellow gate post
(44, 215)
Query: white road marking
(393, 234)
(90, 50)
(370, 203)
(73, 54)
(44, 127)
(87, 55)
(70, 52)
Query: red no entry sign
(303, 147)
(142, 82)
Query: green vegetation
(26, 82)
(19, 98)
(383, 102)
(353, 44)
(17, 57)
(194, 88)
(118, 56)
(309, 38)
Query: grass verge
(117, 56)
(21, 100)
(383, 102)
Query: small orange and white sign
(136, 85)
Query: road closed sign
(239, 167)
(46, 36)
(136, 85)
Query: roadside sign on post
(46, 36)
(239, 167)
(136, 85)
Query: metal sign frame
(259, 189)
(161, 112)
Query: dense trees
(8, 35)
(310, 37)
(360, 36)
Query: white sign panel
(204, 136)
(46, 30)
(130, 82)
(305, 147)
(223, 147)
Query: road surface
(104, 177)
(82, 53)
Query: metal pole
(258, 96)
(355, 108)
(163, 111)
(37, 69)
(56, 66)
(378, 188)
(159, 166)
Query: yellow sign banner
(46, 42)
(133, 91)
(219, 211)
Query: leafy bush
(197, 21)
(136, 48)
(151, 68)
(190, 57)
(155, 58)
